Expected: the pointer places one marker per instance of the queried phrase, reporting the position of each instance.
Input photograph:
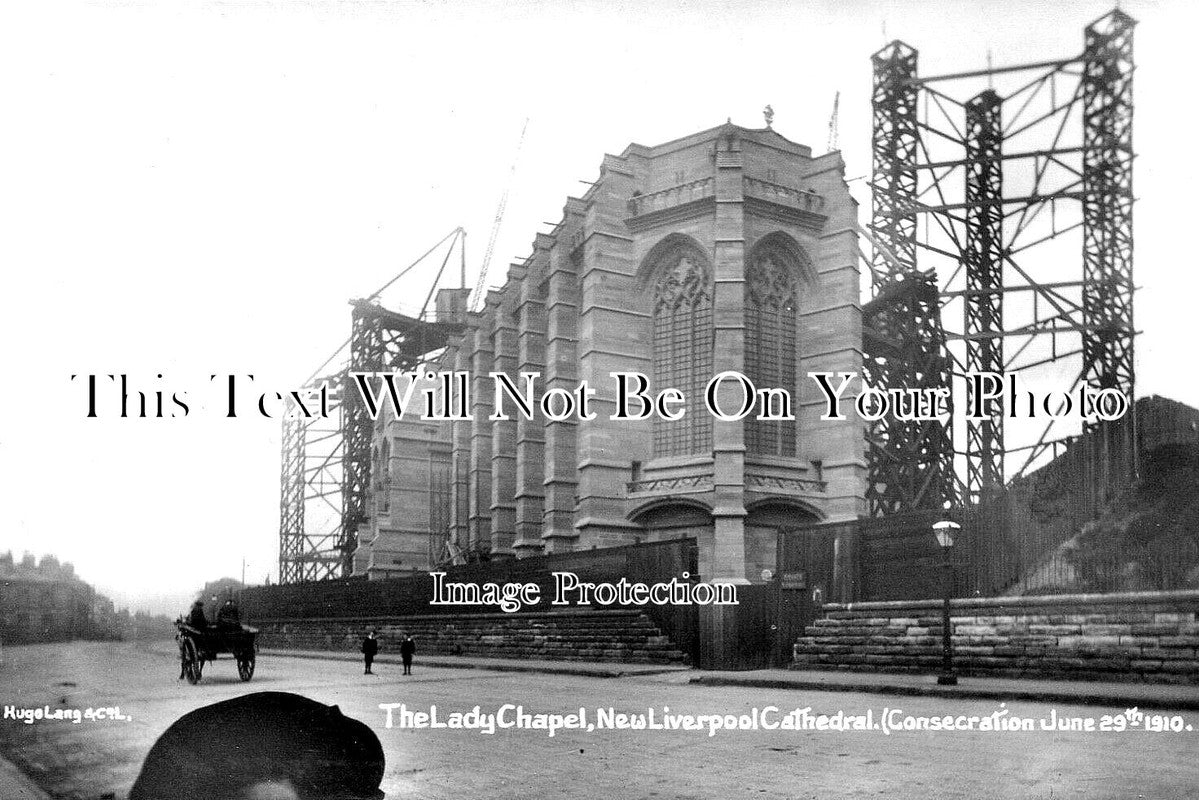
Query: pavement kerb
(1155, 696)
(1100, 696)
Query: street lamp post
(944, 531)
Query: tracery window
(683, 340)
(770, 322)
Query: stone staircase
(626, 636)
(1138, 637)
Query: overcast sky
(195, 188)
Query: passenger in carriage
(229, 616)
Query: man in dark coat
(196, 617)
(407, 648)
(267, 744)
(370, 646)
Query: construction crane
(475, 301)
(832, 124)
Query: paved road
(90, 759)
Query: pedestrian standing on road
(370, 646)
(407, 648)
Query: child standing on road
(370, 646)
(407, 648)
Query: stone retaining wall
(1150, 636)
(616, 636)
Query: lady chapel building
(728, 250)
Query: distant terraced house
(44, 602)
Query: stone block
(874, 649)
(1138, 641)
(885, 639)
(930, 649)
(974, 630)
(974, 650)
(883, 659)
(1055, 629)
(1106, 630)
(1088, 642)
(1178, 641)
(1155, 629)
(1170, 654)
(1029, 640)
(822, 640)
(1008, 650)
(980, 640)
(854, 630)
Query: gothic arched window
(770, 321)
(683, 347)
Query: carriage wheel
(245, 666)
(191, 662)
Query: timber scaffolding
(326, 461)
(974, 194)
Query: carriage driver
(196, 617)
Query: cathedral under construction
(998, 241)
(731, 249)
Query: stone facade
(728, 250)
(409, 498)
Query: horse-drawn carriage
(198, 646)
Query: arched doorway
(765, 526)
(672, 518)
